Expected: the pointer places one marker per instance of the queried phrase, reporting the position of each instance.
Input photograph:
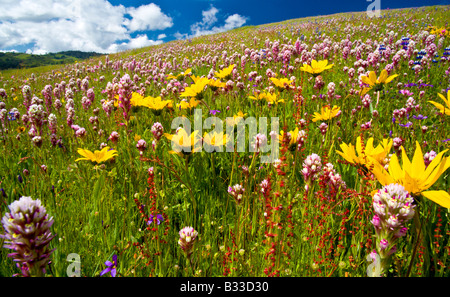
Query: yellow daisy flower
(376, 83)
(224, 73)
(272, 99)
(182, 143)
(214, 140)
(316, 67)
(155, 103)
(415, 176)
(136, 99)
(326, 113)
(97, 156)
(369, 156)
(196, 90)
(216, 84)
(184, 104)
(281, 83)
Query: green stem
(250, 169)
(194, 204)
(190, 264)
(418, 226)
(295, 161)
(213, 167)
(232, 167)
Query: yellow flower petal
(366, 80)
(323, 63)
(364, 91)
(440, 197)
(436, 172)
(418, 164)
(382, 175)
(394, 168)
(372, 78)
(390, 78)
(383, 76)
(446, 100)
(86, 153)
(80, 159)
(405, 161)
(359, 146)
(348, 153)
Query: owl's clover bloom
(27, 232)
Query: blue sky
(40, 26)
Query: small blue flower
(11, 116)
(159, 219)
(420, 117)
(407, 125)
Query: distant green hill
(12, 60)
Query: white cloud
(209, 18)
(179, 35)
(8, 51)
(234, 21)
(138, 42)
(148, 17)
(95, 25)
(162, 36)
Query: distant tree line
(11, 60)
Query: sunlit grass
(286, 222)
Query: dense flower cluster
(312, 166)
(27, 232)
(393, 207)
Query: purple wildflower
(214, 112)
(420, 117)
(407, 125)
(159, 219)
(110, 267)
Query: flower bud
(187, 239)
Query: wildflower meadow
(311, 147)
